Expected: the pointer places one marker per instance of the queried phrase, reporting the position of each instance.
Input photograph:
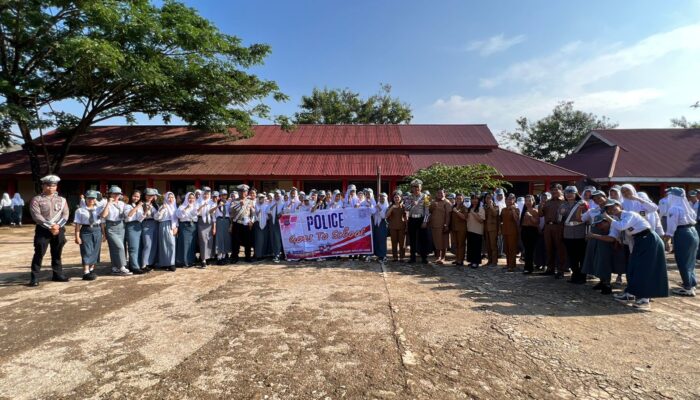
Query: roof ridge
(535, 159)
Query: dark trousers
(530, 236)
(474, 248)
(242, 236)
(575, 252)
(554, 244)
(42, 240)
(418, 238)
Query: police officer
(50, 212)
(242, 217)
(417, 222)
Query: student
(351, 197)
(396, 215)
(439, 222)
(133, 218)
(602, 259)
(540, 249)
(646, 269)
(205, 226)
(476, 217)
(6, 210)
(379, 227)
(511, 230)
(652, 216)
(167, 231)
(492, 227)
(274, 212)
(149, 230)
(113, 215)
(574, 232)
(337, 202)
(261, 230)
(529, 232)
(17, 208)
(185, 255)
(222, 238)
(89, 231)
(681, 227)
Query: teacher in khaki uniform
(458, 225)
(50, 212)
(439, 223)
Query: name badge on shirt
(643, 213)
(631, 229)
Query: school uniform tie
(91, 219)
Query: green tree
(343, 106)
(682, 122)
(117, 58)
(557, 135)
(464, 179)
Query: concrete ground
(333, 330)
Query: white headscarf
(17, 200)
(629, 204)
(652, 217)
(185, 203)
(6, 202)
(380, 213)
(520, 203)
(681, 205)
(616, 190)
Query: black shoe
(548, 272)
(172, 268)
(557, 275)
(89, 277)
(138, 271)
(412, 261)
(60, 278)
(33, 283)
(607, 289)
(248, 260)
(424, 261)
(203, 265)
(147, 268)
(527, 272)
(598, 286)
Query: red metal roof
(638, 153)
(305, 136)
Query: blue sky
(637, 62)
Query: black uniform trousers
(42, 240)
(417, 238)
(242, 236)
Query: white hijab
(380, 213)
(17, 200)
(681, 205)
(629, 204)
(261, 212)
(6, 202)
(185, 203)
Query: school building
(180, 158)
(650, 159)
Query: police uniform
(47, 211)
(242, 217)
(417, 216)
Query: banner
(327, 233)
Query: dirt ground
(333, 330)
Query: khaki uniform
(439, 223)
(491, 228)
(397, 230)
(511, 231)
(458, 226)
(46, 212)
(554, 235)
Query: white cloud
(639, 84)
(494, 44)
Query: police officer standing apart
(50, 213)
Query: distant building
(651, 159)
(180, 158)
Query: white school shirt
(138, 215)
(335, 205)
(630, 223)
(115, 211)
(82, 216)
(221, 211)
(380, 213)
(204, 214)
(261, 214)
(677, 217)
(275, 210)
(185, 214)
(663, 207)
(304, 208)
(640, 205)
(166, 213)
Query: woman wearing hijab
(206, 227)
(396, 215)
(681, 227)
(653, 217)
(492, 227)
(476, 216)
(222, 240)
(261, 230)
(529, 232)
(6, 209)
(185, 254)
(540, 249)
(149, 230)
(574, 232)
(89, 231)
(17, 207)
(167, 231)
(646, 270)
(632, 201)
(602, 258)
(133, 217)
(379, 227)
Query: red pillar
(81, 187)
(392, 186)
(197, 183)
(530, 187)
(167, 185)
(149, 182)
(662, 189)
(11, 187)
(547, 182)
(345, 184)
(103, 186)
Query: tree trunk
(33, 153)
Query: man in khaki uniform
(554, 233)
(458, 225)
(50, 212)
(439, 223)
(491, 229)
